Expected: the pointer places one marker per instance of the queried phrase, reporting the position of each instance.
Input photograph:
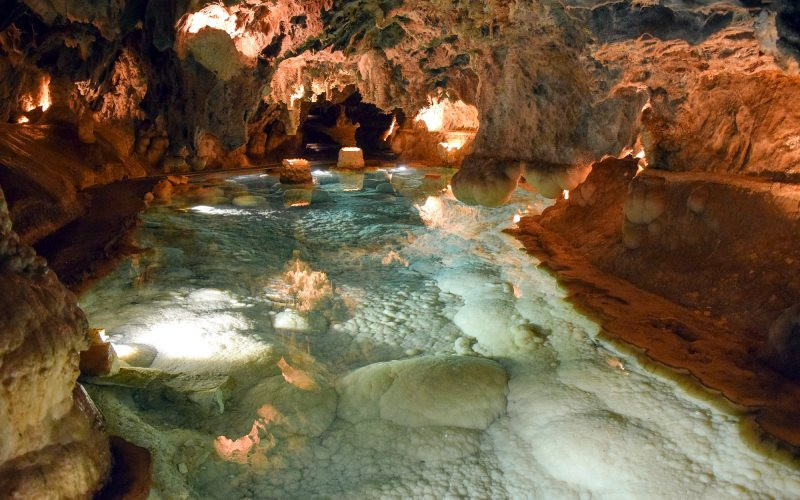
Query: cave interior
(400, 248)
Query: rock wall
(49, 445)
(556, 82)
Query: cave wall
(95, 92)
(50, 442)
(193, 85)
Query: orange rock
(100, 359)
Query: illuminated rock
(296, 171)
(697, 200)
(100, 358)
(47, 431)
(86, 128)
(485, 181)
(646, 199)
(449, 152)
(350, 157)
(164, 190)
(138, 355)
(453, 391)
(551, 182)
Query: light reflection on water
(255, 310)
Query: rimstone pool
(378, 338)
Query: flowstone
(453, 391)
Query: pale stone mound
(452, 391)
(484, 181)
(350, 157)
(552, 182)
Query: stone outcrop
(702, 96)
(49, 447)
(556, 82)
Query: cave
(400, 248)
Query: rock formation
(667, 130)
(50, 444)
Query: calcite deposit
(49, 447)
(667, 131)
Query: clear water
(237, 408)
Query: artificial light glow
(431, 212)
(41, 100)
(297, 95)
(23, 119)
(432, 116)
(44, 96)
(212, 16)
(566, 194)
(124, 351)
(204, 209)
(448, 115)
(452, 145)
(197, 337)
(517, 217)
(389, 132)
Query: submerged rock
(248, 201)
(303, 411)
(453, 391)
(293, 321)
(385, 188)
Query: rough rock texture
(704, 288)
(704, 92)
(48, 446)
(555, 82)
(44, 168)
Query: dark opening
(330, 126)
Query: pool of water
(371, 344)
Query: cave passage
(352, 122)
(328, 348)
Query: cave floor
(412, 275)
